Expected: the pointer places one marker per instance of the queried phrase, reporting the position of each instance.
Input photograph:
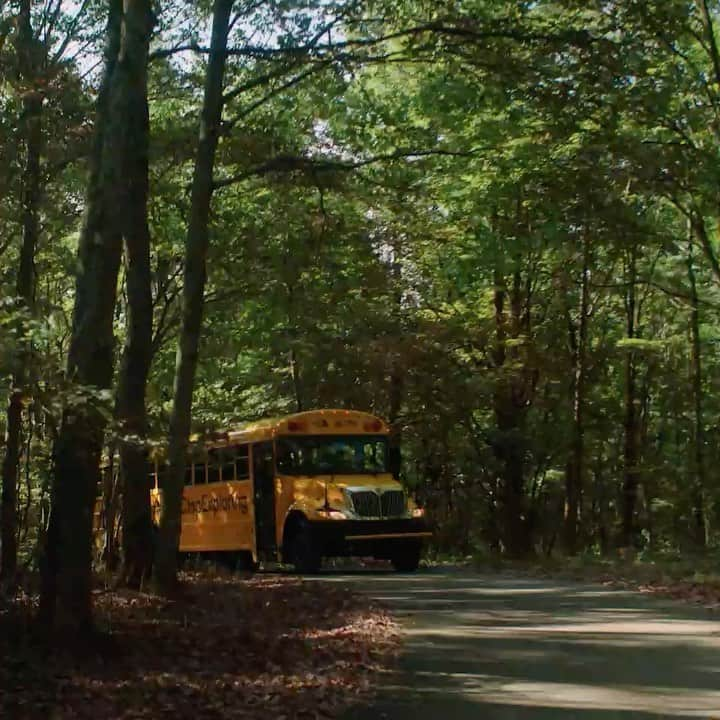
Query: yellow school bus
(297, 489)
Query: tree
(196, 247)
(470, 218)
(578, 338)
(66, 590)
(29, 55)
(137, 354)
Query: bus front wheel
(406, 558)
(306, 556)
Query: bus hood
(381, 481)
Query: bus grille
(370, 504)
(393, 503)
(366, 503)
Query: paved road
(501, 648)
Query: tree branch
(581, 38)
(292, 163)
(273, 93)
(698, 225)
(70, 33)
(712, 41)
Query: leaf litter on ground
(267, 646)
(689, 582)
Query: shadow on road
(501, 647)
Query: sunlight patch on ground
(490, 591)
(709, 632)
(497, 690)
(602, 594)
(668, 701)
(626, 627)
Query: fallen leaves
(268, 646)
(679, 582)
(707, 595)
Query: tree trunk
(196, 246)
(296, 381)
(574, 477)
(699, 483)
(8, 506)
(65, 600)
(24, 518)
(510, 405)
(712, 46)
(645, 399)
(602, 506)
(631, 422)
(397, 376)
(111, 486)
(32, 139)
(295, 370)
(137, 537)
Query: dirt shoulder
(267, 646)
(694, 581)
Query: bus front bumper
(366, 538)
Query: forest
(494, 223)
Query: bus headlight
(332, 514)
(418, 512)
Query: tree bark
(699, 484)
(32, 139)
(65, 599)
(510, 403)
(631, 422)
(8, 503)
(111, 486)
(196, 246)
(296, 381)
(712, 49)
(295, 370)
(575, 472)
(396, 390)
(604, 537)
(137, 537)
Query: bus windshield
(332, 454)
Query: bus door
(264, 499)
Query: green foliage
(407, 232)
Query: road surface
(501, 648)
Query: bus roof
(311, 422)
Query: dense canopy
(492, 222)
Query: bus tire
(306, 555)
(244, 562)
(406, 558)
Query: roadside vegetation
(693, 579)
(494, 224)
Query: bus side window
(189, 474)
(152, 467)
(200, 472)
(227, 464)
(215, 466)
(241, 463)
